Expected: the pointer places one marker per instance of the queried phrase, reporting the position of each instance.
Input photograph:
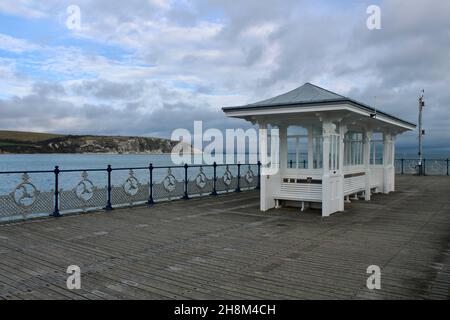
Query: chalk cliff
(15, 142)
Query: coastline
(90, 153)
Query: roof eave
(254, 106)
(405, 124)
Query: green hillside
(22, 136)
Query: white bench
(354, 183)
(304, 190)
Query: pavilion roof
(304, 94)
(309, 95)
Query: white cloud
(16, 45)
(21, 8)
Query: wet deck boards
(225, 248)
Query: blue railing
(402, 166)
(59, 191)
(109, 188)
(428, 166)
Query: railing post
(423, 172)
(108, 203)
(186, 196)
(258, 186)
(214, 192)
(447, 166)
(150, 195)
(402, 172)
(56, 209)
(238, 188)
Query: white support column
(283, 148)
(366, 159)
(342, 131)
(270, 183)
(331, 180)
(326, 150)
(310, 148)
(326, 190)
(393, 163)
(387, 163)
(263, 139)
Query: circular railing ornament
(131, 184)
(436, 167)
(201, 179)
(249, 176)
(227, 177)
(25, 193)
(85, 188)
(169, 182)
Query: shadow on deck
(224, 247)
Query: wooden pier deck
(225, 248)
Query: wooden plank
(225, 248)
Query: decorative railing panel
(427, 167)
(130, 191)
(26, 200)
(200, 184)
(72, 200)
(248, 179)
(406, 166)
(169, 188)
(226, 180)
(84, 195)
(436, 167)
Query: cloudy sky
(146, 67)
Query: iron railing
(403, 166)
(429, 166)
(76, 190)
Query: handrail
(89, 196)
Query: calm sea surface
(20, 162)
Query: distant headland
(19, 142)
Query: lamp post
(421, 133)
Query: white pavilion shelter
(331, 148)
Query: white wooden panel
(354, 184)
(300, 191)
(376, 176)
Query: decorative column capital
(262, 124)
(387, 137)
(328, 128)
(344, 129)
(368, 135)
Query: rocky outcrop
(89, 144)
